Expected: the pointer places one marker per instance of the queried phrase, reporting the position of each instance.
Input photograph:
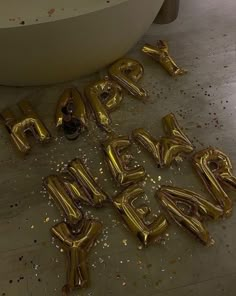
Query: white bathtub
(46, 41)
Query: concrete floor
(203, 40)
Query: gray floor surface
(202, 40)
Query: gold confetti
(46, 220)
(125, 242)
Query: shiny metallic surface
(30, 122)
(136, 217)
(127, 72)
(79, 112)
(201, 40)
(214, 178)
(77, 247)
(96, 196)
(168, 148)
(104, 96)
(64, 197)
(119, 161)
(193, 208)
(73, 187)
(160, 53)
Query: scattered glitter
(46, 220)
(101, 260)
(178, 158)
(124, 241)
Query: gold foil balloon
(62, 190)
(149, 143)
(119, 161)
(76, 247)
(71, 113)
(104, 96)
(165, 150)
(95, 195)
(187, 209)
(74, 186)
(136, 217)
(71, 96)
(215, 170)
(160, 53)
(18, 128)
(127, 73)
